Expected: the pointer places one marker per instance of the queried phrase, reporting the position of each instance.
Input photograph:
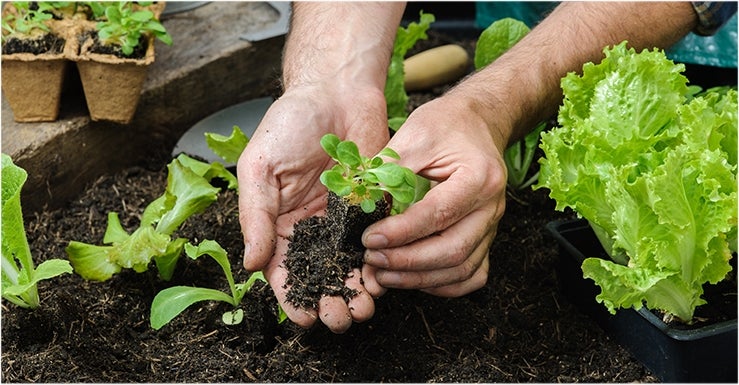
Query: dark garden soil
(323, 251)
(518, 328)
(46, 43)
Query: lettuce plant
(125, 23)
(27, 21)
(494, 41)
(188, 192)
(653, 172)
(395, 95)
(172, 301)
(19, 275)
(364, 181)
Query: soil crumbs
(518, 328)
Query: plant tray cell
(702, 354)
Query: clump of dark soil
(323, 251)
(45, 44)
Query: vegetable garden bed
(518, 328)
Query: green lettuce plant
(653, 172)
(27, 21)
(364, 181)
(188, 192)
(124, 24)
(20, 276)
(395, 95)
(494, 41)
(172, 301)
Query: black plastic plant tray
(704, 354)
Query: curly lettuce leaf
(20, 277)
(188, 192)
(653, 172)
(395, 94)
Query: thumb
(258, 209)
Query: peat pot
(673, 353)
(33, 83)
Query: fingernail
(388, 278)
(375, 241)
(376, 259)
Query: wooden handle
(435, 67)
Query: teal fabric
(719, 50)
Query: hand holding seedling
(279, 184)
(440, 244)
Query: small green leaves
(124, 25)
(364, 181)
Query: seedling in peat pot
(124, 25)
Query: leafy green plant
(188, 192)
(125, 23)
(653, 172)
(172, 301)
(229, 148)
(19, 275)
(365, 181)
(395, 95)
(28, 20)
(494, 41)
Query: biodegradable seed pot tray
(674, 352)
(32, 82)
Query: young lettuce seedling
(364, 181)
(124, 25)
(188, 192)
(19, 283)
(172, 301)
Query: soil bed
(518, 328)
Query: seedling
(188, 192)
(27, 21)
(364, 181)
(124, 25)
(19, 276)
(172, 301)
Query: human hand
(440, 244)
(279, 184)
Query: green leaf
(329, 142)
(498, 38)
(395, 95)
(336, 182)
(19, 283)
(368, 205)
(389, 152)
(233, 317)
(192, 195)
(347, 154)
(170, 302)
(389, 174)
(228, 147)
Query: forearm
(522, 87)
(341, 42)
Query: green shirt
(717, 50)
